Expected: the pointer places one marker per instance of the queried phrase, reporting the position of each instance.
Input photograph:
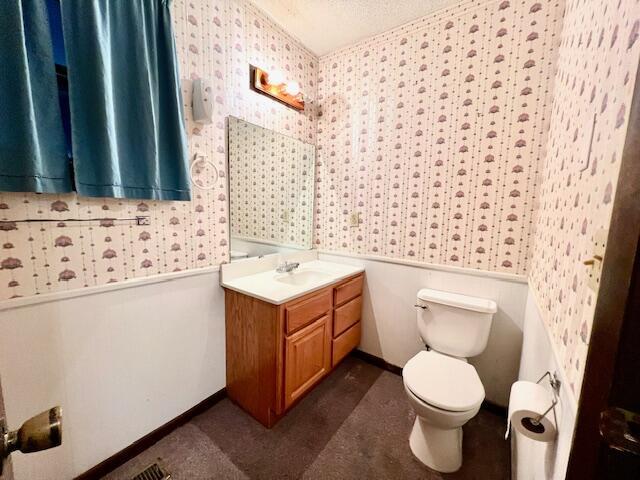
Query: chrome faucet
(287, 267)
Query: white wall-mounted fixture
(198, 172)
(202, 101)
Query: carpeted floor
(354, 425)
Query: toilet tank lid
(476, 304)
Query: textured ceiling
(327, 25)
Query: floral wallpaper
(434, 133)
(597, 64)
(270, 186)
(487, 135)
(217, 40)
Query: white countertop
(273, 287)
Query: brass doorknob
(41, 432)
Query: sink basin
(258, 278)
(303, 277)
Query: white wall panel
(389, 328)
(121, 363)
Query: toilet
(236, 255)
(443, 389)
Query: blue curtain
(126, 106)
(33, 154)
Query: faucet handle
(287, 267)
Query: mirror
(271, 184)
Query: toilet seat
(443, 382)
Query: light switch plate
(599, 247)
(354, 219)
(600, 241)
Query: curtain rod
(140, 220)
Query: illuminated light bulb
(292, 88)
(276, 78)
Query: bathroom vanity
(290, 318)
(285, 332)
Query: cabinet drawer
(305, 312)
(345, 343)
(349, 290)
(347, 315)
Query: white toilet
(236, 255)
(444, 390)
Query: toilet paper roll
(527, 402)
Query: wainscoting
(535, 460)
(119, 361)
(151, 349)
(389, 328)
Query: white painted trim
(108, 287)
(270, 242)
(563, 375)
(432, 266)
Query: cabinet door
(307, 358)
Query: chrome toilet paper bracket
(555, 383)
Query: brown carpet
(354, 425)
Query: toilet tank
(454, 324)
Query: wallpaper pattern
(433, 133)
(216, 39)
(270, 186)
(597, 66)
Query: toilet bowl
(445, 393)
(236, 255)
(443, 389)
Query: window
(59, 56)
(128, 138)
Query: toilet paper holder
(555, 383)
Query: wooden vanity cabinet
(277, 353)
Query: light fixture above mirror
(275, 85)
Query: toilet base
(438, 449)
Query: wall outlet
(595, 267)
(354, 219)
(285, 216)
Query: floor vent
(153, 472)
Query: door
(617, 446)
(606, 443)
(7, 471)
(307, 358)
(41, 432)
